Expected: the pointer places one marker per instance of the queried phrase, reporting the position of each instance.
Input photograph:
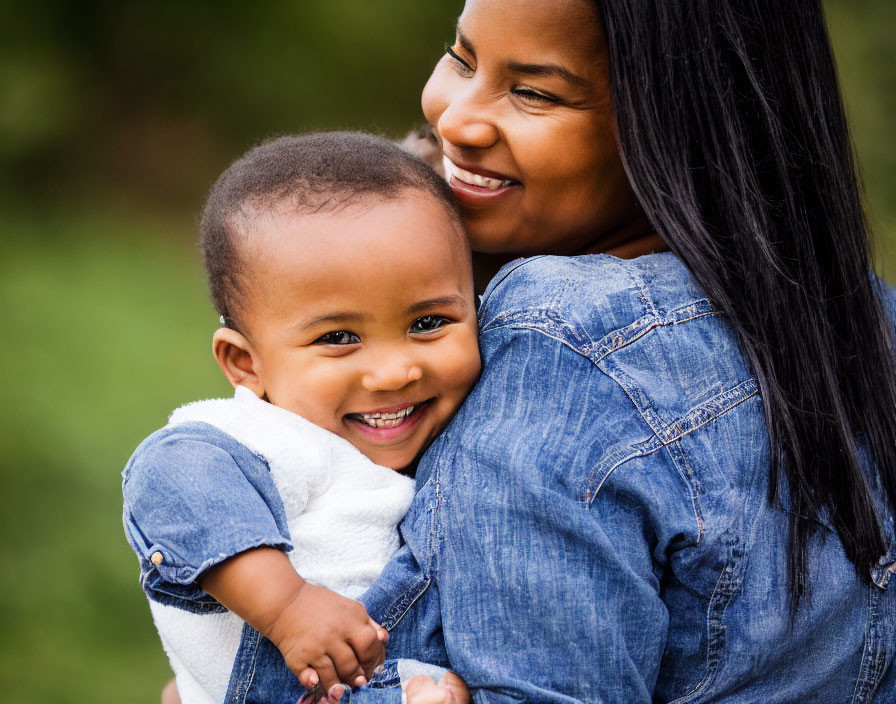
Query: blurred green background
(115, 117)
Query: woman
(676, 478)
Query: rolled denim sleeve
(194, 496)
(554, 511)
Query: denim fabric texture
(593, 525)
(226, 475)
(596, 516)
(229, 479)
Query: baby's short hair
(311, 173)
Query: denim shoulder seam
(628, 334)
(708, 411)
(550, 322)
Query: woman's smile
(472, 185)
(526, 128)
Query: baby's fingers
(381, 633)
(348, 668)
(368, 646)
(328, 677)
(457, 686)
(308, 678)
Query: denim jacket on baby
(228, 475)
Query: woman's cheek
(434, 98)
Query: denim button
(156, 558)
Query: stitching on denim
(680, 460)
(545, 321)
(720, 404)
(398, 608)
(182, 603)
(613, 461)
(435, 524)
(549, 322)
(646, 301)
(708, 411)
(243, 674)
(727, 585)
(624, 336)
(873, 658)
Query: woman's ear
(237, 360)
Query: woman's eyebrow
(548, 70)
(463, 40)
(528, 69)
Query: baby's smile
(385, 372)
(390, 426)
(387, 418)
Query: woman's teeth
(492, 184)
(386, 420)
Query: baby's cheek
(465, 364)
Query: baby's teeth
(387, 420)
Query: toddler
(342, 276)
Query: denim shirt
(594, 525)
(596, 520)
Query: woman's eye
(428, 323)
(535, 97)
(338, 337)
(462, 66)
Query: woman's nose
(391, 375)
(466, 120)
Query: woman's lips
(476, 187)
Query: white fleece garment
(342, 511)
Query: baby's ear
(237, 359)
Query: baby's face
(363, 322)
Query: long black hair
(733, 133)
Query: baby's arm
(312, 626)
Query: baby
(342, 275)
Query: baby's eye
(428, 323)
(338, 337)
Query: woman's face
(521, 106)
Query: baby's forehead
(358, 248)
(267, 225)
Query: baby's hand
(449, 690)
(327, 639)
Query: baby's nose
(391, 377)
